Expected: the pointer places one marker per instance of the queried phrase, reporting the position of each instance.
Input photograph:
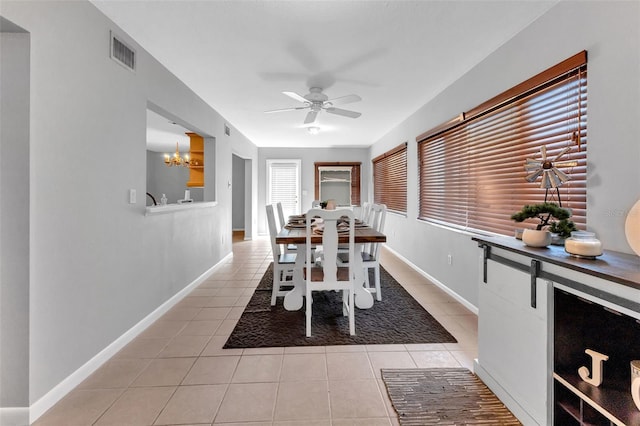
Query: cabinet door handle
(534, 270)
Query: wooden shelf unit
(196, 159)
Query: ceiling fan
(317, 101)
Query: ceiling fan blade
(343, 112)
(345, 100)
(311, 117)
(285, 109)
(295, 96)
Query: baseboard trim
(14, 416)
(446, 289)
(503, 395)
(47, 401)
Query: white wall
(610, 32)
(14, 219)
(98, 265)
(309, 156)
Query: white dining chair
(288, 248)
(370, 252)
(283, 263)
(365, 212)
(328, 275)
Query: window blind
(471, 170)
(283, 184)
(390, 179)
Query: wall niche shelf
(196, 160)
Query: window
(471, 169)
(354, 176)
(390, 179)
(283, 185)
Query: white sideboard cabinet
(544, 316)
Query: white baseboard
(14, 416)
(446, 289)
(74, 379)
(503, 395)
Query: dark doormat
(398, 318)
(444, 396)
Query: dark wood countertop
(621, 268)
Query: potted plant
(553, 219)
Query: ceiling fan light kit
(317, 101)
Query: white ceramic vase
(535, 238)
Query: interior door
(283, 185)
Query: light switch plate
(132, 196)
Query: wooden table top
(299, 236)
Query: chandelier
(176, 159)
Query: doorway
(283, 185)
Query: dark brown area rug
(398, 318)
(443, 396)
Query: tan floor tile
(349, 365)
(258, 368)
(242, 301)
(215, 345)
(263, 351)
(247, 402)
(303, 400)
(356, 399)
(231, 292)
(212, 370)
(165, 372)
(212, 314)
(434, 359)
(143, 348)
(222, 301)
(80, 407)
(204, 292)
(192, 404)
(297, 367)
(425, 347)
(226, 327)
(137, 407)
(201, 328)
(299, 423)
(185, 313)
(346, 348)
(117, 373)
(195, 302)
(184, 346)
(465, 359)
(235, 313)
(378, 421)
(305, 350)
(385, 348)
(390, 360)
(162, 328)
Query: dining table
(297, 236)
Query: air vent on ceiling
(227, 130)
(122, 53)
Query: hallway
(176, 372)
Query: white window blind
(283, 184)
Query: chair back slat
(281, 218)
(273, 231)
(378, 216)
(330, 236)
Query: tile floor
(176, 372)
